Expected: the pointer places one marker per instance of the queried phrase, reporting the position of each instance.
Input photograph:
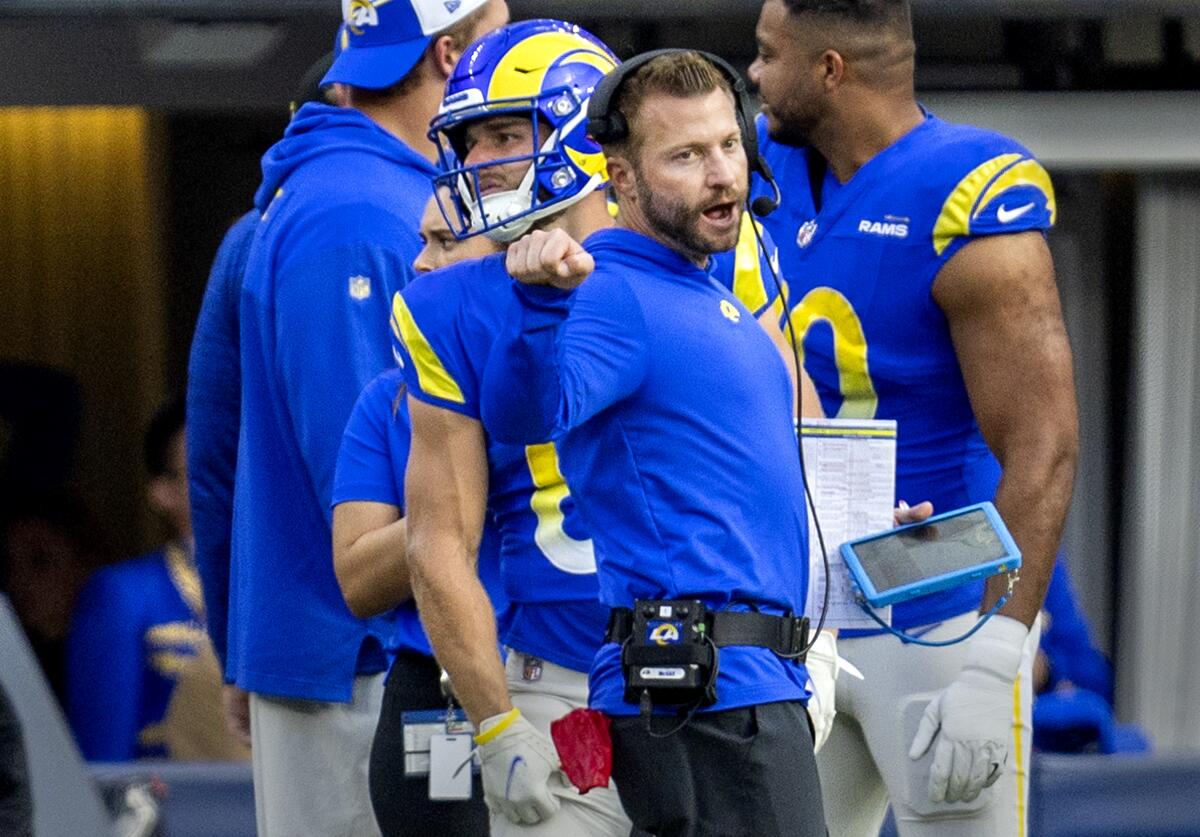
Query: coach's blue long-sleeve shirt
(672, 412)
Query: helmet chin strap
(500, 205)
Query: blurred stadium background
(130, 134)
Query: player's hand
(822, 664)
(904, 513)
(549, 258)
(518, 765)
(970, 722)
(237, 713)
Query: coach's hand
(971, 720)
(518, 764)
(549, 258)
(822, 666)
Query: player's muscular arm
(446, 494)
(999, 296)
(368, 556)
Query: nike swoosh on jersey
(1006, 216)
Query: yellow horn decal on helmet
(520, 73)
(591, 163)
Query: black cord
(762, 248)
(647, 707)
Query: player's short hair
(679, 74)
(862, 12)
(163, 428)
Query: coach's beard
(684, 223)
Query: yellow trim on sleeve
(748, 283)
(185, 578)
(1024, 173)
(431, 373)
(172, 634)
(955, 218)
(506, 721)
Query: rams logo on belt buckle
(664, 633)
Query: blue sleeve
(562, 358)
(1008, 192)
(105, 667)
(214, 397)
(374, 446)
(331, 334)
(431, 341)
(1068, 643)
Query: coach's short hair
(681, 74)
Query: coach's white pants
(310, 763)
(865, 762)
(545, 692)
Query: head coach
(673, 413)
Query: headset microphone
(762, 206)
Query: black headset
(607, 124)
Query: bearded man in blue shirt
(649, 375)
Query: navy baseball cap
(381, 40)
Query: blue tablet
(944, 551)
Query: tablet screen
(935, 549)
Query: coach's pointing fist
(549, 258)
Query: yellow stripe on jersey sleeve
(431, 373)
(1024, 173)
(748, 283)
(955, 218)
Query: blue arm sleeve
(105, 670)
(562, 358)
(214, 397)
(332, 335)
(1068, 642)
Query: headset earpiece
(606, 124)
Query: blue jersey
(446, 323)
(340, 201)
(674, 415)
(861, 272)
(214, 400)
(370, 468)
(137, 632)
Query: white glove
(972, 718)
(822, 665)
(518, 762)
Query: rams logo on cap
(361, 13)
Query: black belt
(786, 636)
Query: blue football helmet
(546, 69)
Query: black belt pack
(669, 648)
